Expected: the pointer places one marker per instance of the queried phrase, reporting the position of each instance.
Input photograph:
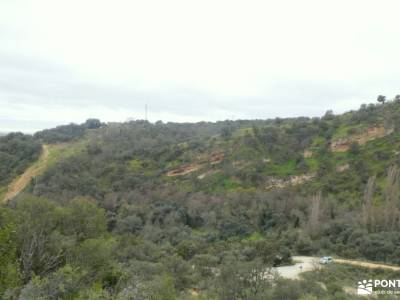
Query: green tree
(354, 149)
(240, 280)
(92, 123)
(41, 247)
(83, 219)
(95, 257)
(9, 269)
(381, 99)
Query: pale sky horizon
(67, 60)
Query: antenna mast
(145, 112)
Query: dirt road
(308, 263)
(22, 181)
(365, 264)
(303, 264)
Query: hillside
(129, 208)
(334, 154)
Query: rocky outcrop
(277, 183)
(213, 159)
(342, 168)
(307, 154)
(183, 170)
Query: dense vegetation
(66, 133)
(200, 211)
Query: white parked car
(326, 260)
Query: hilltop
(205, 194)
(332, 154)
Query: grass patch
(254, 237)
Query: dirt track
(22, 181)
(365, 264)
(308, 263)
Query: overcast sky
(65, 61)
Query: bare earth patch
(342, 145)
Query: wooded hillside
(143, 210)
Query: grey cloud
(40, 83)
